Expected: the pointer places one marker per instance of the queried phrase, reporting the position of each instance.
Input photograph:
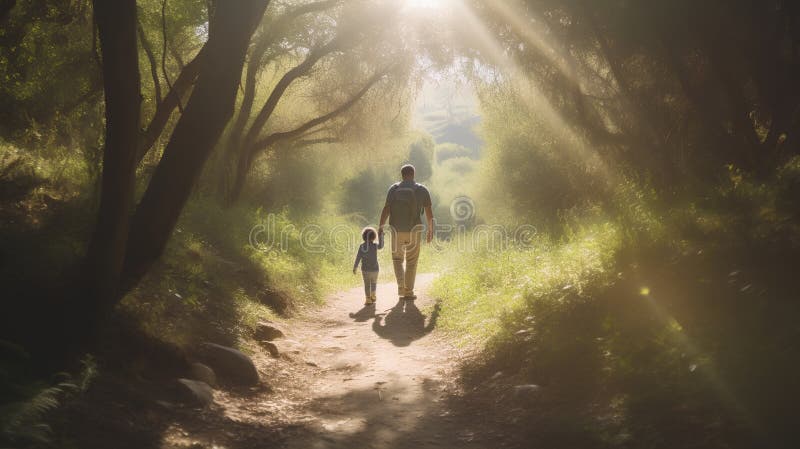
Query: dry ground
(349, 376)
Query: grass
(486, 287)
(226, 269)
(652, 330)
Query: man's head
(407, 172)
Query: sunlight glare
(424, 4)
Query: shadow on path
(360, 419)
(365, 314)
(404, 323)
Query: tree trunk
(208, 111)
(116, 22)
(255, 62)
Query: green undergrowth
(225, 269)
(487, 286)
(655, 329)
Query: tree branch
(256, 61)
(164, 49)
(249, 152)
(284, 83)
(148, 50)
(311, 142)
(164, 109)
(294, 133)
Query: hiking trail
(350, 376)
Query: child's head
(369, 234)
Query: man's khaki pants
(405, 247)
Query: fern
(21, 422)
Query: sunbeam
(535, 100)
(532, 33)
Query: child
(367, 254)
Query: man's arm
(384, 217)
(429, 216)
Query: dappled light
(399, 224)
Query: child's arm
(380, 240)
(359, 256)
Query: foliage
(241, 265)
(23, 417)
(47, 70)
(420, 155)
(448, 150)
(532, 171)
(493, 280)
(657, 319)
(657, 92)
(364, 193)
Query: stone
(194, 392)
(266, 330)
(231, 366)
(271, 348)
(203, 373)
(275, 300)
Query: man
(404, 204)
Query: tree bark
(116, 22)
(208, 111)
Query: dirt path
(350, 376)
(384, 373)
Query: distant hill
(461, 132)
(449, 114)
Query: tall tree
(208, 111)
(116, 23)
(326, 55)
(122, 248)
